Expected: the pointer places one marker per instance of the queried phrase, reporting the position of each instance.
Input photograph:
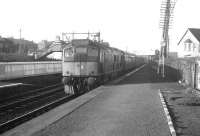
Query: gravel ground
(184, 106)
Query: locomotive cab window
(68, 52)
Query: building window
(185, 47)
(189, 46)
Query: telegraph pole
(20, 41)
(166, 16)
(20, 33)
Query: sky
(186, 14)
(131, 25)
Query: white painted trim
(169, 120)
(9, 85)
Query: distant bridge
(56, 46)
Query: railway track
(25, 99)
(27, 84)
(26, 92)
(29, 105)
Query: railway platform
(128, 107)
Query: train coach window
(68, 52)
(92, 52)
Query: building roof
(194, 31)
(188, 41)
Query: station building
(189, 44)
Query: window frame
(67, 52)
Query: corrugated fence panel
(10, 70)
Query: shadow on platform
(148, 75)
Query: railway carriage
(87, 63)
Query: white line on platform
(9, 85)
(169, 120)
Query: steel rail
(25, 100)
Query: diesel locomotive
(87, 63)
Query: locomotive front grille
(80, 68)
(80, 57)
